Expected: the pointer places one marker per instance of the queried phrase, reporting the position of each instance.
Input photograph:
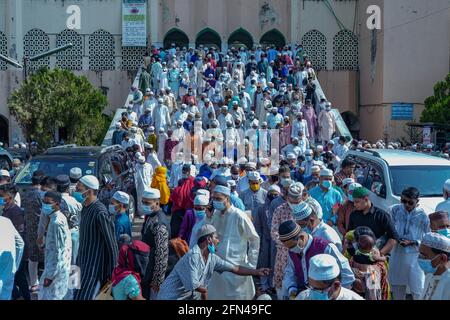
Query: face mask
(235, 176)
(315, 179)
(211, 248)
(327, 184)
(78, 196)
(200, 214)
(309, 158)
(426, 266)
(444, 232)
(255, 187)
(47, 209)
(147, 210)
(296, 250)
(319, 295)
(112, 209)
(184, 176)
(2, 202)
(219, 205)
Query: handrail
(118, 115)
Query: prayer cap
(122, 197)
(201, 200)
(323, 267)
(275, 188)
(326, 173)
(151, 129)
(308, 152)
(91, 182)
(221, 180)
(55, 196)
(250, 165)
(206, 230)
(288, 230)
(254, 176)
(4, 173)
(231, 183)
(436, 241)
(223, 190)
(75, 173)
(319, 147)
(291, 156)
(360, 192)
(331, 142)
(302, 212)
(347, 181)
(315, 206)
(151, 194)
(63, 180)
(296, 190)
(203, 192)
(315, 169)
(286, 183)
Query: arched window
(35, 42)
(3, 50)
(241, 37)
(101, 51)
(208, 38)
(315, 45)
(273, 38)
(345, 51)
(176, 36)
(70, 59)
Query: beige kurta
(327, 125)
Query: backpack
(140, 251)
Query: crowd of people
(245, 193)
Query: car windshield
(428, 179)
(54, 167)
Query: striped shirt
(97, 255)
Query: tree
(53, 99)
(437, 107)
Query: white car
(386, 173)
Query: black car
(111, 165)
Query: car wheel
(132, 208)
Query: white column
(154, 22)
(295, 13)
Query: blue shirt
(326, 200)
(122, 225)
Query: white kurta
(163, 79)
(143, 178)
(162, 137)
(437, 287)
(239, 244)
(327, 125)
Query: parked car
(5, 159)
(111, 165)
(386, 173)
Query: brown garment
(344, 213)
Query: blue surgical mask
(211, 248)
(309, 158)
(327, 184)
(42, 194)
(308, 230)
(47, 209)
(295, 207)
(219, 205)
(200, 214)
(426, 266)
(2, 202)
(112, 209)
(318, 295)
(78, 196)
(147, 210)
(444, 232)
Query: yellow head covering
(159, 182)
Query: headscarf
(159, 182)
(181, 196)
(125, 264)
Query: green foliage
(437, 107)
(53, 99)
